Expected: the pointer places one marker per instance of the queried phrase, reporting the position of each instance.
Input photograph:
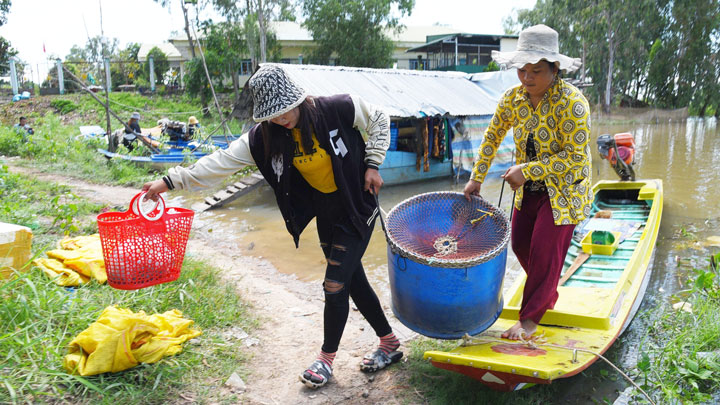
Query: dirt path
(291, 311)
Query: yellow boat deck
(593, 307)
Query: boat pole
(140, 136)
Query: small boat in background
(173, 153)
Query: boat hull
(594, 307)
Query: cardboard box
(15, 248)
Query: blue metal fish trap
(446, 262)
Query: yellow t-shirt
(315, 166)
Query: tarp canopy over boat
(468, 99)
(402, 93)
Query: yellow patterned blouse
(561, 125)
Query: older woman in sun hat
(311, 152)
(550, 122)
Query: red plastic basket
(141, 248)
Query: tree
(160, 62)
(615, 36)
(6, 52)
(353, 30)
(126, 68)
(94, 51)
(227, 40)
(225, 47)
(52, 78)
(191, 42)
(88, 60)
(254, 16)
(4, 9)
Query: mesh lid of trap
(443, 229)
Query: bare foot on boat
(522, 329)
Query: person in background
(192, 126)
(311, 152)
(23, 128)
(132, 127)
(550, 121)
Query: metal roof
(402, 93)
(170, 51)
(464, 40)
(494, 84)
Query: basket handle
(138, 210)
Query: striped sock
(327, 358)
(389, 343)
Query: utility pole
(61, 80)
(13, 76)
(151, 66)
(108, 86)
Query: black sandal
(317, 375)
(379, 360)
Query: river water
(683, 154)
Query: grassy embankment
(38, 318)
(57, 146)
(680, 355)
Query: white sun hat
(535, 44)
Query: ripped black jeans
(344, 247)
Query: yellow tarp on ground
(121, 339)
(75, 262)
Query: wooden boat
(595, 305)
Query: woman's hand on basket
(472, 188)
(153, 188)
(373, 181)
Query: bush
(63, 106)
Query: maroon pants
(540, 247)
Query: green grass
(151, 109)
(38, 319)
(63, 106)
(54, 147)
(50, 210)
(672, 364)
(57, 147)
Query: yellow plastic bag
(121, 339)
(59, 273)
(82, 255)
